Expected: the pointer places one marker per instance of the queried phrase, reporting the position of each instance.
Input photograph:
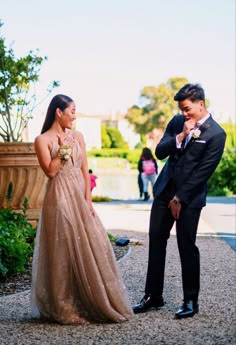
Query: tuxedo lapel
(207, 124)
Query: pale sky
(104, 52)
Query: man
(194, 143)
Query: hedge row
(131, 155)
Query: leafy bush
(230, 129)
(223, 180)
(111, 237)
(16, 242)
(115, 137)
(122, 153)
(133, 156)
(106, 141)
(100, 198)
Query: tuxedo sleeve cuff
(178, 145)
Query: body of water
(122, 184)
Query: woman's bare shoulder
(43, 139)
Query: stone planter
(19, 165)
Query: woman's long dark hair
(146, 154)
(58, 101)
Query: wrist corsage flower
(196, 133)
(64, 152)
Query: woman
(147, 167)
(92, 180)
(75, 274)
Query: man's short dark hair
(194, 92)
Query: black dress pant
(161, 222)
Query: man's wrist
(176, 200)
(180, 137)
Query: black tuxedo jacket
(190, 168)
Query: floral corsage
(64, 152)
(196, 133)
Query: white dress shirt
(199, 123)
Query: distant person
(75, 276)
(147, 167)
(140, 184)
(92, 179)
(194, 144)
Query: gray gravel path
(214, 325)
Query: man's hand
(188, 126)
(175, 207)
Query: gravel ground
(214, 325)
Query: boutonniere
(196, 133)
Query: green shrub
(16, 242)
(122, 153)
(111, 237)
(116, 138)
(131, 155)
(230, 129)
(223, 180)
(134, 155)
(106, 141)
(100, 198)
(219, 191)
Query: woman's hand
(65, 140)
(90, 206)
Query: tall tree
(158, 106)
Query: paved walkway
(218, 218)
(215, 323)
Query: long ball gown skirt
(75, 275)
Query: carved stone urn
(19, 165)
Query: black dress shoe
(147, 303)
(188, 309)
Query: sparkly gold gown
(75, 273)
